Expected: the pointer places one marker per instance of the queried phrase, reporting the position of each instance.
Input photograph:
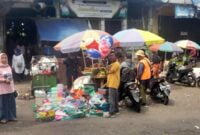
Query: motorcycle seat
(130, 84)
(185, 70)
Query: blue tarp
(58, 29)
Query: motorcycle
(183, 75)
(160, 90)
(196, 71)
(198, 81)
(132, 96)
(129, 90)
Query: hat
(140, 53)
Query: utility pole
(102, 24)
(57, 6)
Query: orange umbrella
(154, 47)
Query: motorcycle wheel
(137, 107)
(191, 81)
(198, 82)
(128, 102)
(169, 79)
(132, 104)
(166, 100)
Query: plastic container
(96, 113)
(103, 107)
(54, 89)
(40, 96)
(40, 93)
(102, 91)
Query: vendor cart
(43, 71)
(98, 75)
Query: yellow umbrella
(151, 38)
(137, 38)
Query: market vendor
(72, 67)
(113, 81)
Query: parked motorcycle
(196, 71)
(160, 90)
(129, 90)
(198, 81)
(182, 75)
(132, 96)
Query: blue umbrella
(170, 47)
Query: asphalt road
(180, 117)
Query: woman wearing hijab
(18, 65)
(7, 92)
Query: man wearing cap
(143, 73)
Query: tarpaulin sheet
(58, 29)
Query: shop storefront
(178, 22)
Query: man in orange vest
(143, 73)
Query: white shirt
(15, 63)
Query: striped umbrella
(137, 38)
(187, 44)
(82, 40)
(166, 47)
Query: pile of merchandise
(98, 72)
(78, 103)
(44, 65)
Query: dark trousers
(113, 100)
(70, 78)
(144, 85)
(18, 77)
(121, 91)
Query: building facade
(169, 18)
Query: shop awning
(58, 29)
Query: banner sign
(94, 8)
(182, 11)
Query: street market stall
(86, 98)
(43, 71)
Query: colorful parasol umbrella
(166, 47)
(136, 38)
(187, 44)
(94, 42)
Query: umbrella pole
(92, 62)
(165, 59)
(83, 58)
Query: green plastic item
(34, 107)
(89, 89)
(77, 115)
(95, 113)
(44, 80)
(54, 89)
